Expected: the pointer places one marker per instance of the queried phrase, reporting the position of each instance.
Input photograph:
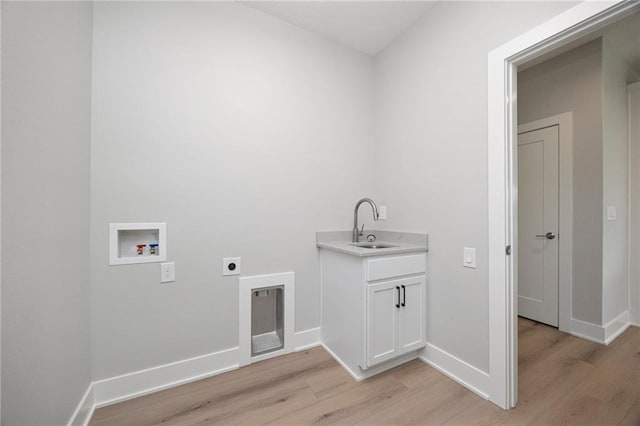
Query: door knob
(548, 236)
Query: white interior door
(538, 225)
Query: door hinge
(508, 250)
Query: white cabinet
(413, 322)
(373, 309)
(395, 321)
(382, 322)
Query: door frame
(503, 63)
(634, 252)
(565, 210)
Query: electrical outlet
(167, 272)
(231, 266)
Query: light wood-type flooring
(563, 380)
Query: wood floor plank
(346, 407)
(538, 342)
(480, 414)
(562, 380)
(596, 354)
(333, 381)
(258, 406)
(426, 406)
(217, 391)
(414, 376)
(576, 408)
(632, 417)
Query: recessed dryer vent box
(267, 320)
(137, 243)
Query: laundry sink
(374, 245)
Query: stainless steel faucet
(376, 215)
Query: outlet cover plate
(231, 266)
(167, 272)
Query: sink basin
(374, 245)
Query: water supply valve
(153, 249)
(141, 249)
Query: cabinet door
(382, 322)
(412, 321)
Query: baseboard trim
(342, 363)
(365, 374)
(616, 327)
(587, 330)
(307, 339)
(138, 383)
(602, 334)
(83, 412)
(462, 372)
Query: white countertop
(402, 242)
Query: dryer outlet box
(231, 266)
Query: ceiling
(367, 26)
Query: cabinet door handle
(404, 295)
(398, 304)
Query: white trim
(616, 327)
(587, 330)
(502, 73)
(633, 255)
(372, 371)
(307, 339)
(341, 362)
(1, 79)
(138, 383)
(565, 213)
(83, 412)
(462, 372)
(245, 287)
(630, 186)
(603, 334)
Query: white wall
(275, 126)
(246, 135)
(431, 123)
(573, 82)
(616, 75)
(46, 82)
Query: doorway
(580, 21)
(587, 81)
